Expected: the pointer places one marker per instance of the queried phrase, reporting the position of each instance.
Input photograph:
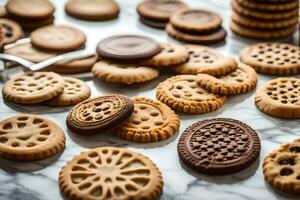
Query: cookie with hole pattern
(269, 6)
(281, 168)
(11, 31)
(205, 60)
(241, 80)
(279, 98)
(99, 114)
(183, 94)
(27, 137)
(74, 92)
(110, 173)
(151, 121)
(272, 58)
(33, 87)
(219, 146)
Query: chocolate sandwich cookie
(153, 23)
(218, 146)
(11, 30)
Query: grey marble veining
(38, 180)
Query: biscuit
(269, 6)
(279, 98)
(34, 24)
(151, 121)
(11, 31)
(241, 80)
(123, 73)
(28, 137)
(3, 12)
(110, 173)
(33, 87)
(182, 93)
(153, 23)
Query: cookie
(34, 24)
(269, 6)
(281, 168)
(153, 23)
(272, 58)
(74, 92)
(94, 10)
(123, 73)
(127, 47)
(3, 12)
(196, 21)
(182, 93)
(170, 55)
(33, 87)
(241, 80)
(204, 38)
(159, 10)
(99, 114)
(57, 38)
(28, 137)
(218, 146)
(12, 31)
(151, 121)
(205, 60)
(110, 173)
(279, 98)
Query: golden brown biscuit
(11, 31)
(269, 6)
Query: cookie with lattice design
(33, 87)
(281, 168)
(183, 94)
(241, 80)
(279, 98)
(110, 173)
(219, 146)
(272, 58)
(28, 137)
(151, 121)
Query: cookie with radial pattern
(269, 6)
(241, 80)
(98, 114)
(151, 121)
(281, 168)
(130, 175)
(12, 31)
(218, 146)
(183, 94)
(28, 137)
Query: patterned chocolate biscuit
(28, 137)
(98, 114)
(279, 98)
(183, 94)
(11, 31)
(269, 6)
(123, 73)
(281, 168)
(219, 146)
(110, 173)
(205, 60)
(151, 121)
(153, 23)
(272, 58)
(241, 80)
(33, 87)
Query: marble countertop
(38, 180)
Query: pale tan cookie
(279, 98)
(28, 137)
(241, 80)
(74, 92)
(123, 73)
(11, 31)
(3, 12)
(182, 93)
(272, 58)
(205, 60)
(170, 54)
(281, 168)
(33, 87)
(110, 173)
(151, 121)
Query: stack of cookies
(264, 19)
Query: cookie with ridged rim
(241, 80)
(151, 121)
(279, 98)
(28, 137)
(33, 87)
(99, 114)
(11, 31)
(183, 94)
(219, 146)
(130, 175)
(269, 6)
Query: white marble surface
(38, 180)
